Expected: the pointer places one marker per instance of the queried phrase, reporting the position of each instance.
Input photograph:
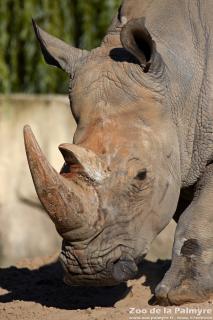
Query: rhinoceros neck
(186, 54)
(185, 47)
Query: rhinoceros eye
(141, 175)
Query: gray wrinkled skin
(148, 115)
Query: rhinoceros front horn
(73, 207)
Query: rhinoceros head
(120, 183)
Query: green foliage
(79, 22)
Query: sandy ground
(33, 289)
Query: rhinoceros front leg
(190, 277)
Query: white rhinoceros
(142, 151)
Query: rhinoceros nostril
(124, 270)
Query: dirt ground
(33, 289)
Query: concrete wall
(25, 229)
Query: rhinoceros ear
(56, 52)
(137, 40)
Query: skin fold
(142, 150)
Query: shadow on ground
(45, 286)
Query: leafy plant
(78, 22)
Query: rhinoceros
(142, 152)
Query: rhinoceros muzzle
(115, 272)
(69, 198)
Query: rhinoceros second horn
(92, 165)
